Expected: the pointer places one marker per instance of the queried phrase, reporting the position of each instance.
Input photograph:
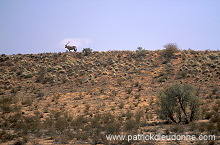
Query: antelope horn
(68, 42)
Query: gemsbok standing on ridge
(70, 47)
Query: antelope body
(70, 47)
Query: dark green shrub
(178, 103)
(87, 51)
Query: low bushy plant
(87, 51)
(169, 50)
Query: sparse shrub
(209, 114)
(5, 136)
(121, 105)
(81, 73)
(202, 126)
(141, 52)
(120, 81)
(87, 51)
(137, 96)
(5, 104)
(129, 91)
(191, 51)
(214, 122)
(20, 142)
(14, 90)
(79, 121)
(46, 78)
(27, 101)
(113, 93)
(136, 84)
(45, 109)
(139, 49)
(215, 90)
(102, 90)
(3, 57)
(135, 104)
(57, 123)
(40, 95)
(156, 63)
(87, 108)
(162, 79)
(128, 115)
(130, 125)
(30, 123)
(178, 103)
(35, 142)
(151, 100)
(78, 82)
(216, 108)
(102, 123)
(26, 74)
(138, 115)
(82, 135)
(170, 49)
(177, 128)
(211, 127)
(183, 73)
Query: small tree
(139, 49)
(141, 52)
(87, 51)
(169, 50)
(178, 103)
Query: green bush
(87, 51)
(178, 103)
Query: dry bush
(8, 104)
(121, 105)
(6, 136)
(170, 50)
(27, 101)
(157, 62)
(177, 129)
(140, 52)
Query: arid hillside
(73, 98)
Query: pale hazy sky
(38, 26)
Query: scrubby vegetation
(87, 51)
(178, 103)
(78, 98)
(170, 50)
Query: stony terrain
(70, 98)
